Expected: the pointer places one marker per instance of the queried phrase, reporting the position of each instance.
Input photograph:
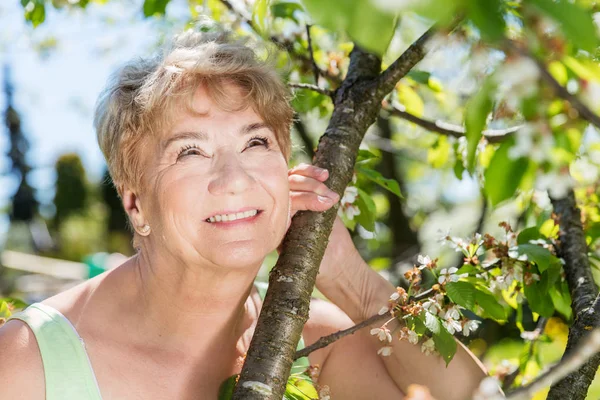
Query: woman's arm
(361, 292)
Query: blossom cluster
(437, 299)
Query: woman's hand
(308, 192)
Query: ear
(133, 208)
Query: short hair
(140, 97)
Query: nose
(229, 176)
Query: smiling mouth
(233, 216)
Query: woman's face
(216, 187)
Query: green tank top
(67, 368)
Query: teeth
(232, 217)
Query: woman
(197, 142)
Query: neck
(201, 307)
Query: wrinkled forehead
(200, 100)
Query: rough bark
(357, 103)
(573, 249)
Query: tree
(24, 204)
(119, 236)
(521, 125)
(71, 187)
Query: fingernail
(324, 199)
(323, 171)
(333, 195)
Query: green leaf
(259, 15)
(539, 255)
(504, 175)
(155, 7)
(561, 298)
(487, 16)
(490, 305)
(299, 388)
(18, 304)
(410, 99)
(366, 205)
(539, 300)
(445, 344)
(35, 11)
(286, 10)
(527, 234)
(478, 108)
(416, 324)
(462, 293)
(376, 177)
(227, 387)
(365, 157)
(370, 27)
(576, 23)
(419, 76)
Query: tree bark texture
(573, 249)
(285, 309)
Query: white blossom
(516, 79)
(350, 195)
(557, 184)
(452, 325)
(413, 338)
(488, 388)
(385, 351)
(384, 310)
(513, 252)
(428, 347)
(423, 261)
(449, 275)
(383, 334)
(470, 326)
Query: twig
(312, 87)
(312, 56)
(445, 128)
(284, 44)
(584, 351)
(327, 340)
(301, 129)
(539, 329)
(560, 90)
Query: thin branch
(403, 64)
(312, 87)
(312, 55)
(560, 90)
(586, 349)
(301, 129)
(284, 44)
(327, 340)
(445, 128)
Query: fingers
(310, 201)
(309, 171)
(300, 183)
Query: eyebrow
(203, 136)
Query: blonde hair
(140, 98)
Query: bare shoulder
(21, 369)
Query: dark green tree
(24, 204)
(71, 190)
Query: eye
(190, 150)
(258, 141)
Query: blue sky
(55, 94)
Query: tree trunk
(573, 249)
(285, 310)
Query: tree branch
(357, 103)
(301, 129)
(307, 63)
(447, 129)
(327, 340)
(573, 249)
(312, 56)
(309, 86)
(587, 349)
(560, 90)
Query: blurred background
(62, 221)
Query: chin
(236, 256)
